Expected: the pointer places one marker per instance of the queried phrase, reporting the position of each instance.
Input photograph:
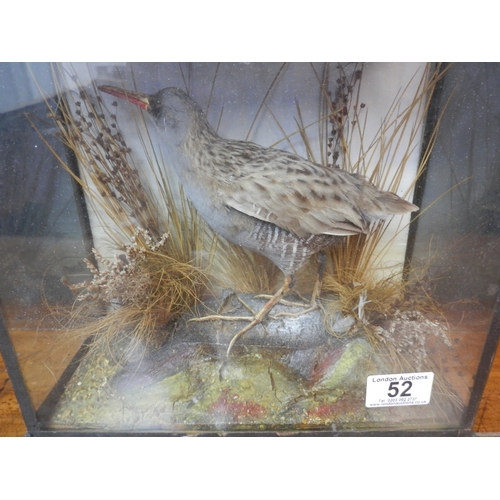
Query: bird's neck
(200, 133)
(198, 146)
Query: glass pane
(457, 238)
(41, 237)
(152, 234)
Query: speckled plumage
(303, 206)
(267, 200)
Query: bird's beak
(141, 100)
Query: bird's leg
(319, 280)
(314, 304)
(260, 316)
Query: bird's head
(171, 108)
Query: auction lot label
(399, 389)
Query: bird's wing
(298, 195)
(305, 198)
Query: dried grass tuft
(162, 249)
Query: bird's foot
(288, 303)
(308, 305)
(311, 306)
(255, 319)
(264, 312)
(222, 317)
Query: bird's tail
(389, 204)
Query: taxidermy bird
(269, 201)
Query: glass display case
(249, 248)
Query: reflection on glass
(209, 285)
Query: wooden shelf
(41, 346)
